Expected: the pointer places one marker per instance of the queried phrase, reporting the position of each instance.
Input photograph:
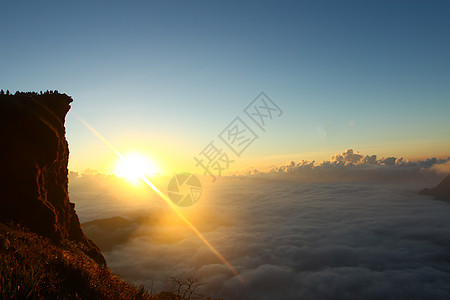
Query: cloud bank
(288, 240)
(351, 166)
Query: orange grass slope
(32, 267)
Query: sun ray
(168, 201)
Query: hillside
(33, 267)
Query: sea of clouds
(369, 238)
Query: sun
(134, 166)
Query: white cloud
(443, 168)
(352, 166)
(290, 240)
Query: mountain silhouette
(441, 191)
(109, 232)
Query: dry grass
(34, 268)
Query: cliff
(441, 191)
(33, 157)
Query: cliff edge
(33, 156)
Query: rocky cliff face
(33, 158)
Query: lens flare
(167, 200)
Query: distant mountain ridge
(34, 155)
(441, 191)
(119, 231)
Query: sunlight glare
(168, 201)
(134, 166)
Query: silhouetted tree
(185, 288)
(7, 92)
(2, 92)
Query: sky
(165, 78)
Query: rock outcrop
(33, 157)
(441, 191)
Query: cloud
(348, 157)
(443, 168)
(352, 166)
(98, 195)
(289, 240)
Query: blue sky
(167, 77)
